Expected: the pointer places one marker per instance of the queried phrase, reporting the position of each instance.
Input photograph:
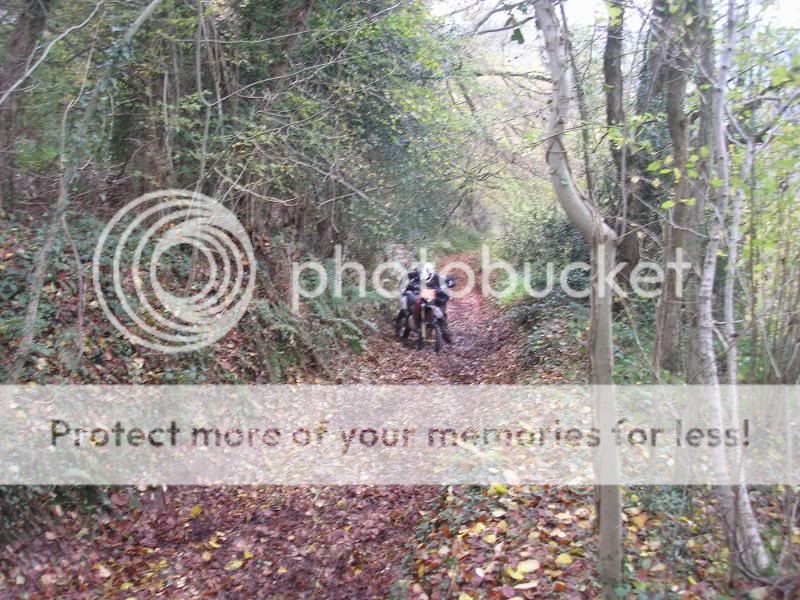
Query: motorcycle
(427, 318)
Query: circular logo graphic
(152, 305)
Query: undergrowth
(269, 345)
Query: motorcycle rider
(433, 280)
(411, 292)
(414, 281)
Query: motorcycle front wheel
(437, 328)
(398, 325)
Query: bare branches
(513, 25)
(46, 52)
(534, 75)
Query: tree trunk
(666, 349)
(737, 513)
(620, 152)
(582, 111)
(731, 272)
(28, 28)
(587, 219)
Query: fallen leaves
(528, 566)
(502, 548)
(102, 571)
(233, 565)
(564, 560)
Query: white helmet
(426, 272)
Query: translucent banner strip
(373, 434)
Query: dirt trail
(483, 349)
(271, 542)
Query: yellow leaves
(282, 570)
(528, 566)
(206, 556)
(498, 488)
(196, 511)
(421, 570)
(233, 565)
(214, 543)
(126, 586)
(490, 538)
(465, 596)
(519, 574)
(477, 529)
(247, 554)
(564, 517)
(640, 519)
(564, 560)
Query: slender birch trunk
(737, 512)
(587, 219)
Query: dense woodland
(659, 129)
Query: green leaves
(780, 75)
(654, 166)
(517, 36)
(614, 15)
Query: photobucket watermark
(174, 271)
(496, 278)
(146, 301)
